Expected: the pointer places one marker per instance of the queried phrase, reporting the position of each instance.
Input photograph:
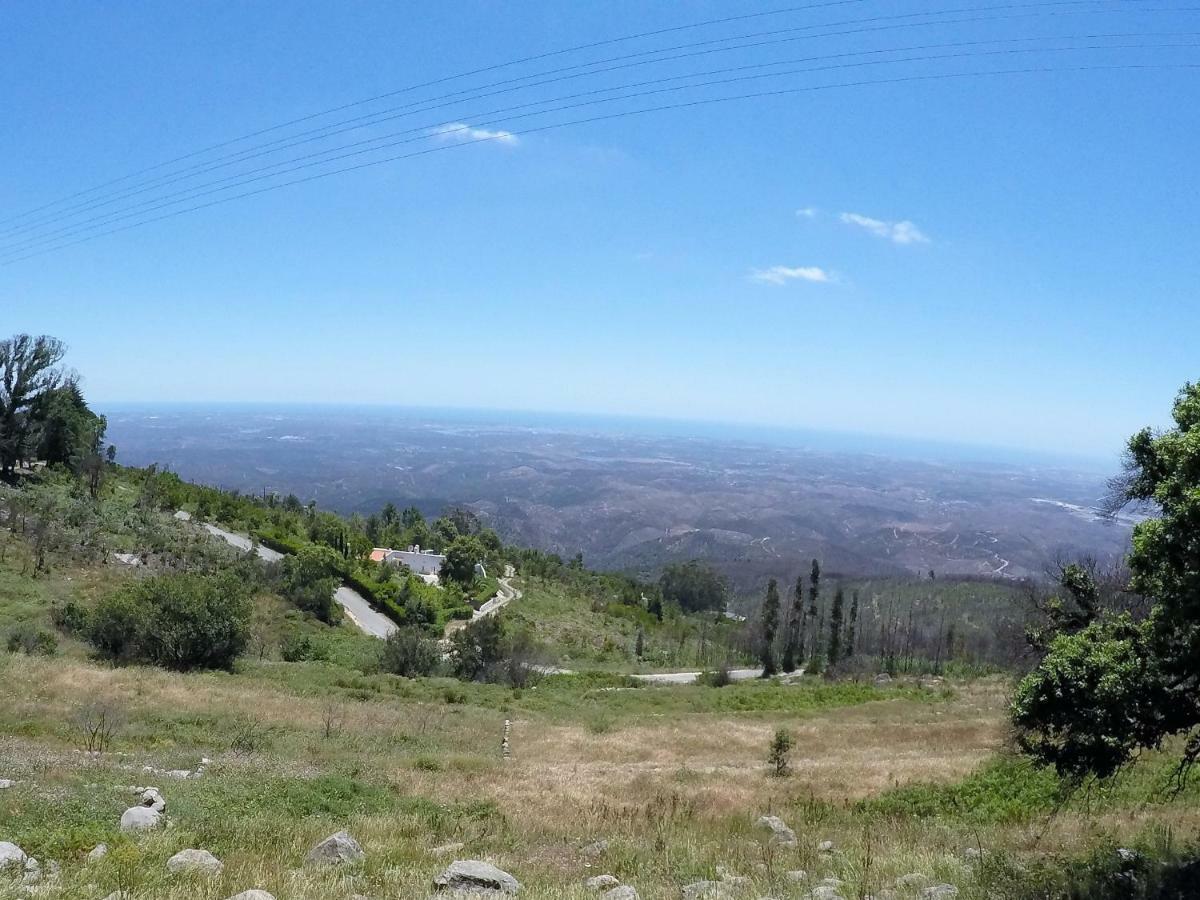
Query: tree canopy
(694, 586)
(1111, 682)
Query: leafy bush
(780, 753)
(32, 641)
(71, 618)
(298, 647)
(310, 578)
(409, 653)
(177, 621)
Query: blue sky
(1009, 260)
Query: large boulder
(475, 876)
(336, 850)
(780, 833)
(11, 856)
(195, 861)
(140, 818)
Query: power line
(307, 161)
(941, 76)
(379, 117)
(14, 232)
(443, 80)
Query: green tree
(28, 372)
(835, 626)
(793, 649)
(769, 625)
(852, 629)
(814, 597)
(310, 578)
(639, 647)
(461, 556)
(1111, 684)
(694, 586)
(779, 754)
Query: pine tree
(852, 631)
(770, 625)
(639, 649)
(835, 627)
(793, 649)
(814, 593)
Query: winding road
(358, 609)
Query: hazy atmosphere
(640, 450)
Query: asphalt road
(357, 609)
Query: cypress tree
(770, 625)
(793, 650)
(835, 627)
(852, 631)
(814, 593)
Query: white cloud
(784, 274)
(460, 131)
(903, 232)
(808, 212)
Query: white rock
(140, 818)
(195, 861)
(179, 773)
(6, 783)
(335, 850)
(940, 892)
(780, 832)
(623, 892)
(98, 852)
(912, 880)
(825, 847)
(825, 892)
(474, 876)
(446, 849)
(595, 848)
(796, 875)
(602, 882)
(253, 894)
(153, 799)
(11, 855)
(700, 890)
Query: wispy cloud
(808, 212)
(784, 274)
(460, 131)
(902, 232)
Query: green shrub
(71, 618)
(297, 647)
(177, 621)
(32, 641)
(409, 653)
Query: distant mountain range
(630, 498)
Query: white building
(419, 561)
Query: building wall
(421, 563)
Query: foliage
(32, 641)
(310, 579)
(176, 621)
(694, 586)
(1110, 684)
(409, 653)
(769, 625)
(462, 553)
(780, 753)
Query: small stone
(594, 849)
(911, 880)
(335, 850)
(33, 871)
(11, 855)
(972, 854)
(780, 832)
(825, 892)
(602, 882)
(98, 852)
(179, 773)
(446, 849)
(140, 818)
(825, 847)
(940, 892)
(883, 678)
(1126, 855)
(796, 875)
(195, 861)
(474, 876)
(623, 892)
(253, 894)
(6, 783)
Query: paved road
(505, 595)
(357, 608)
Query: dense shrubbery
(32, 641)
(409, 653)
(177, 621)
